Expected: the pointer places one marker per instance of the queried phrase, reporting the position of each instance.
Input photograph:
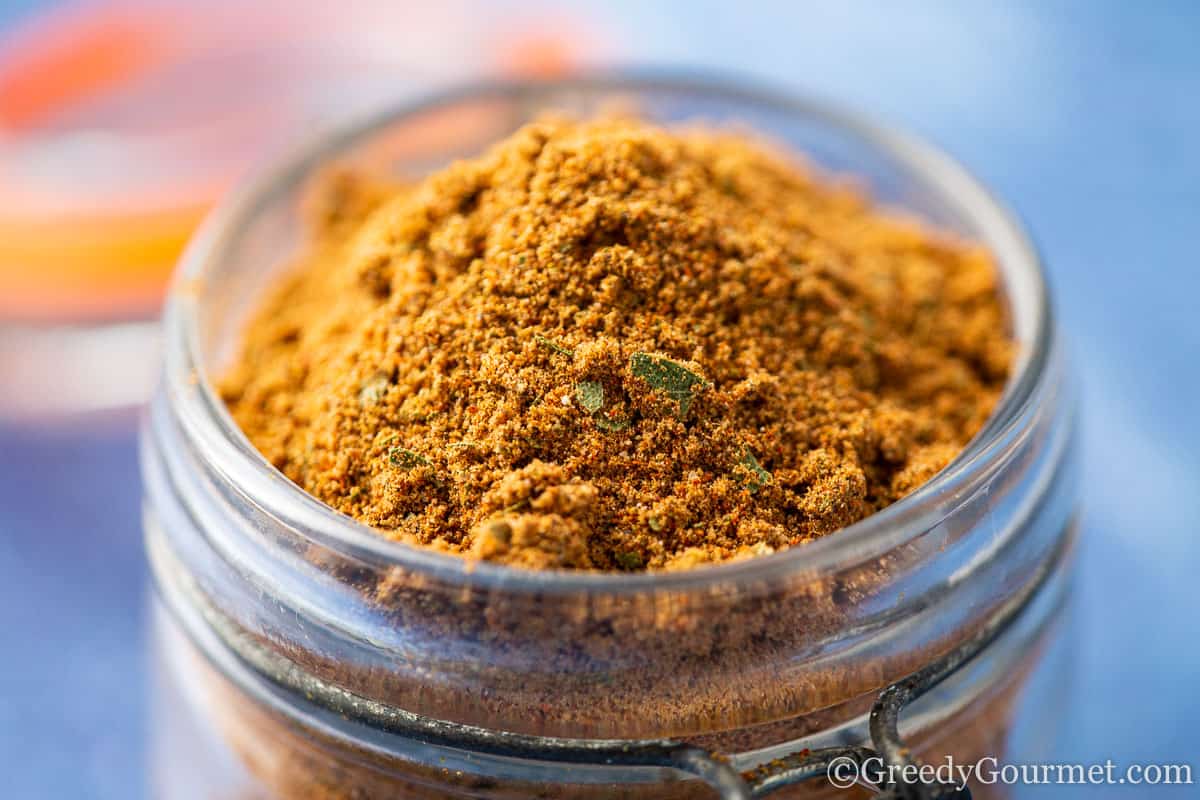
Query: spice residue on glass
(605, 345)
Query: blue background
(1083, 116)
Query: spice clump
(605, 345)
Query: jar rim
(220, 441)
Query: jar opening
(221, 443)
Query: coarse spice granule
(605, 345)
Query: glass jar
(303, 656)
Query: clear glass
(257, 579)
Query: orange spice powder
(605, 345)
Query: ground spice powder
(605, 345)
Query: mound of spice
(604, 345)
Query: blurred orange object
(64, 255)
(89, 267)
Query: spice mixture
(604, 345)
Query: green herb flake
(655, 523)
(552, 345)
(406, 459)
(373, 389)
(630, 560)
(609, 425)
(590, 395)
(757, 476)
(675, 380)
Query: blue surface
(1081, 115)
(72, 672)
